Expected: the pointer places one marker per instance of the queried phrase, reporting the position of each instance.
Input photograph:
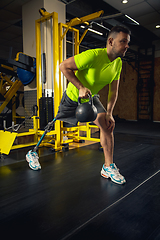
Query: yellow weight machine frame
(73, 133)
(57, 135)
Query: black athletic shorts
(67, 108)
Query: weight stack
(46, 111)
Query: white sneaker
(112, 172)
(32, 159)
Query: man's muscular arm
(68, 67)
(112, 98)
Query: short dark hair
(118, 29)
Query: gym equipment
(25, 76)
(86, 112)
(43, 12)
(9, 134)
(46, 102)
(26, 70)
(6, 141)
(14, 127)
(55, 82)
(45, 110)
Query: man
(95, 69)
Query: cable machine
(75, 133)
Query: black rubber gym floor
(68, 199)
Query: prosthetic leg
(32, 156)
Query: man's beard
(118, 54)
(121, 55)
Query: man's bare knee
(102, 124)
(101, 120)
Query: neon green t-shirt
(95, 71)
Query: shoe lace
(35, 158)
(116, 171)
